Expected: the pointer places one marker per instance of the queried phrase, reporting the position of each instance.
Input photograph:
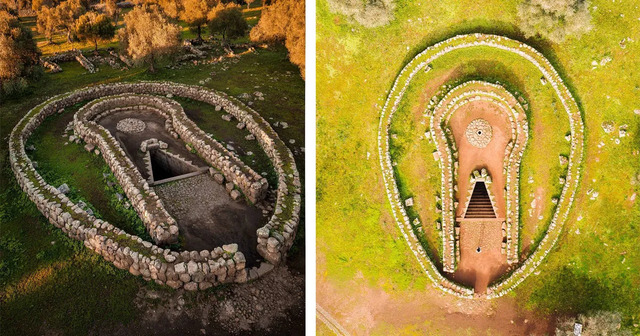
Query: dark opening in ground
(165, 166)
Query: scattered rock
(608, 126)
(64, 188)
(408, 202)
(563, 160)
(235, 194)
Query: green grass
(40, 266)
(356, 69)
(60, 161)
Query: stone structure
(131, 125)
(454, 99)
(479, 133)
(420, 65)
(189, 269)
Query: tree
(227, 20)
(36, 5)
(111, 8)
(148, 35)
(195, 13)
(19, 55)
(284, 20)
(554, 19)
(47, 23)
(60, 18)
(172, 8)
(94, 27)
(593, 324)
(10, 6)
(249, 2)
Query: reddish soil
(490, 157)
(363, 310)
(478, 269)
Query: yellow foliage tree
(284, 20)
(148, 35)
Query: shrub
(554, 19)
(593, 324)
(369, 13)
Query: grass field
(593, 267)
(41, 267)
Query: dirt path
(478, 269)
(271, 305)
(490, 157)
(363, 310)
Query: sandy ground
(208, 217)
(364, 310)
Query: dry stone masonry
(422, 64)
(191, 270)
(454, 99)
(131, 125)
(479, 133)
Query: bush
(554, 19)
(369, 13)
(594, 324)
(14, 87)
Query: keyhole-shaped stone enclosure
(114, 122)
(483, 197)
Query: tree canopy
(195, 12)
(284, 20)
(94, 27)
(228, 21)
(148, 35)
(60, 18)
(369, 13)
(19, 56)
(554, 19)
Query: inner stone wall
(189, 269)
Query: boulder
(180, 268)
(64, 188)
(235, 194)
(230, 248)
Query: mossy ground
(51, 283)
(357, 236)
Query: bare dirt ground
(154, 129)
(362, 310)
(490, 157)
(271, 305)
(208, 217)
(478, 269)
